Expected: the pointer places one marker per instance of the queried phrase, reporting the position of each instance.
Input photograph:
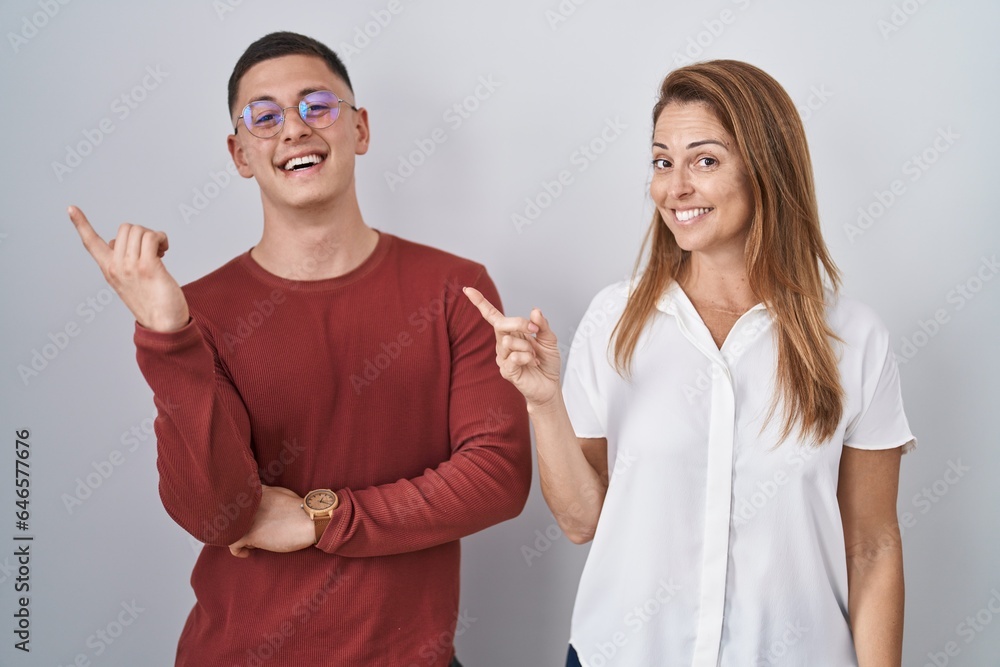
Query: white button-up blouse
(717, 546)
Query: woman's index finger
(486, 309)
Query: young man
(330, 417)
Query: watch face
(320, 500)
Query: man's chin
(303, 200)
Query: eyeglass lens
(264, 118)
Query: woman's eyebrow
(694, 144)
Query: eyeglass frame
(298, 107)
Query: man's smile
(303, 162)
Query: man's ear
(362, 133)
(235, 146)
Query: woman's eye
(661, 163)
(708, 161)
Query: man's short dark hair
(279, 44)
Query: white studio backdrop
(516, 134)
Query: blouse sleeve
(583, 380)
(882, 422)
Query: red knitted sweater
(380, 384)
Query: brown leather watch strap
(321, 525)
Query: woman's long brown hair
(784, 249)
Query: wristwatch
(319, 505)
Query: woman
(750, 418)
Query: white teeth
(684, 216)
(306, 159)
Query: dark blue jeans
(571, 658)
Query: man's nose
(293, 127)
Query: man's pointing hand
(132, 266)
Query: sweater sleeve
(485, 481)
(209, 482)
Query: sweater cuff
(163, 340)
(333, 536)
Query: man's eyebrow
(694, 144)
(302, 93)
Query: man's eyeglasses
(264, 118)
